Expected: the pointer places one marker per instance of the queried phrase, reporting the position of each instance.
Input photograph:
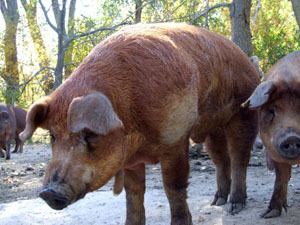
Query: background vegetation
(42, 42)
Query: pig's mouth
(54, 199)
(57, 200)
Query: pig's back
(286, 69)
(159, 77)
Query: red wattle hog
(278, 101)
(136, 99)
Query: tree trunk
(11, 73)
(240, 24)
(58, 72)
(35, 32)
(61, 35)
(296, 8)
(68, 59)
(138, 10)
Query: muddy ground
(21, 177)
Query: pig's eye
(90, 137)
(271, 111)
(270, 114)
(52, 138)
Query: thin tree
(240, 24)
(10, 73)
(30, 8)
(66, 38)
(296, 8)
(138, 10)
(70, 32)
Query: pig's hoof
(235, 208)
(219, 201)
(271, 213)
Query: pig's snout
(54, 199)
(289, 146)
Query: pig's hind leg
(175, 171)
(279, 197)
(18, 147)
(7, 149)
(134, 183)
(17, 142)
(240, 134)
(216, 146)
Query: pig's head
(279, 121)
(87, 139)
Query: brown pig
(136, 99)
(20, 115)
(7, 128)
(278, 102)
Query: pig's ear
(93, 113)
(35, 116)
(260, 96)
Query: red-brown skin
(20, 115)
(164, 82)
(279, 120)
(7, 129)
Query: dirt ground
(21, 177)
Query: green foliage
(275, 33)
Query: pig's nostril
(286, 146)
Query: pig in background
(20, 115)
(278, 101)
(12, 123)
(136, 99)
(7, 129)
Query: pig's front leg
(134, 183)
(175, 171)
(7, 146)
(279, 197)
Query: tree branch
(257, 8)
(75, 37)
(3, 8)
(56, 10)
(207, 10)
(71, 21)
(47, 17)
(23, 85)
(25, 4)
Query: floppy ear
(260, 96)
(94, 113)
(35, 116)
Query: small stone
(29, 168)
